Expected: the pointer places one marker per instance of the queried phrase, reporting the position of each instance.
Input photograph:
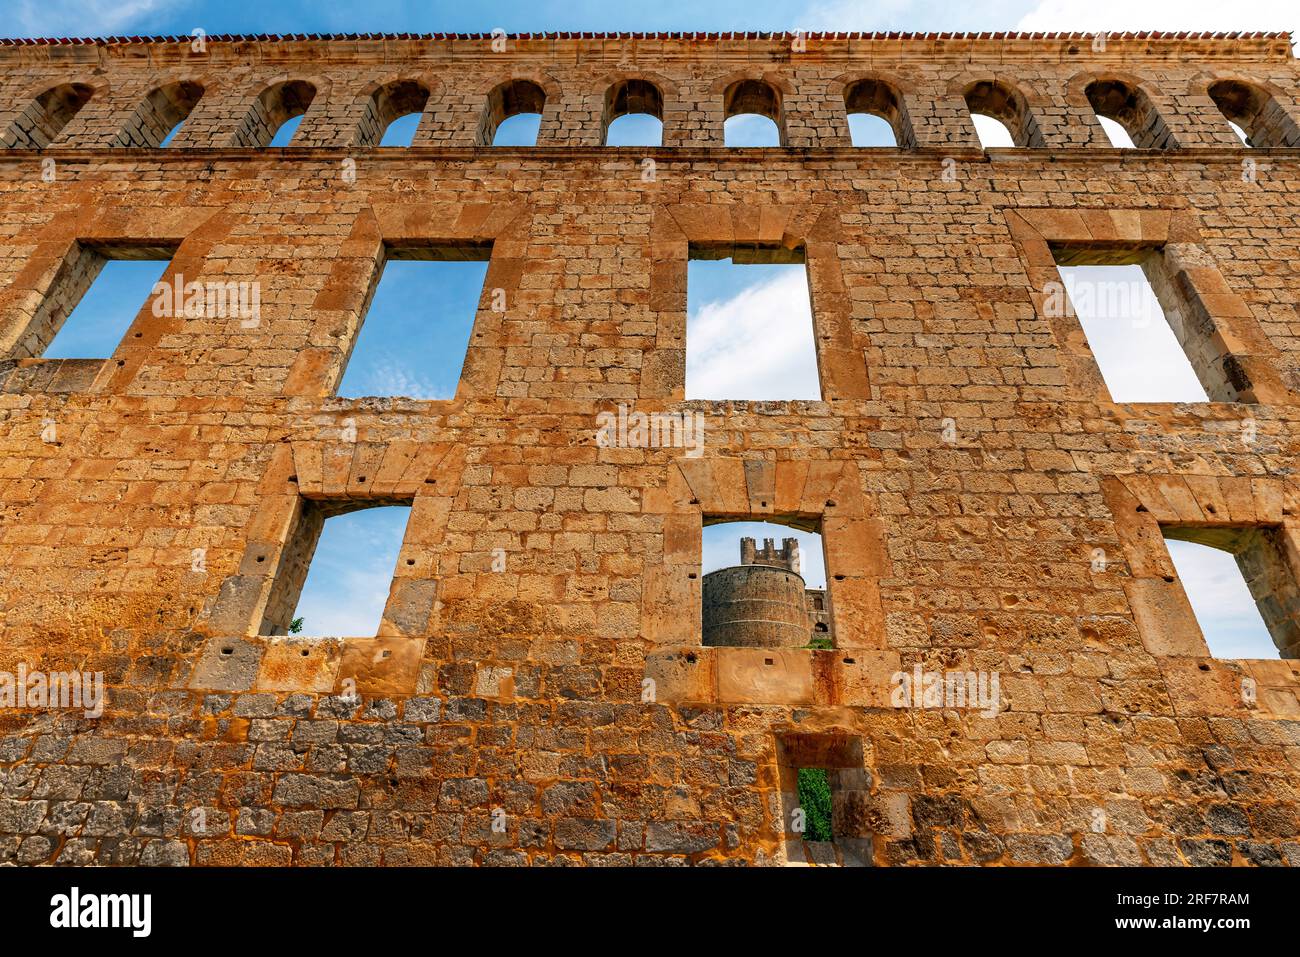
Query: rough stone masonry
(985, 507)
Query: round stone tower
(761, 603)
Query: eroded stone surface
(964, 464)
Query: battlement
(787, 556)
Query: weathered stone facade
(964, 467)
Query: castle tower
(787, 556)
(763, 602)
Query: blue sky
(413, 340)
(414, 337)
(351, 572)
(107, 17)
(722, 547)
(1231, 623)
(108, 308)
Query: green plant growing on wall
(815, 799)
(295, 626)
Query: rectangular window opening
(1152, 342)
(1241, 588)
(764, 585)
(749, 327)
(336, 569)
(96, 295)
(825, 793)
(418, 322)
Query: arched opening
(45, 117)
(513, 114)
(876, 116)
(993, 100)
(160, 117)
(633, 114)
(869, 130)
(1116, 134)
(393, 114)
(274, 117)
(1259, 120)
(752, 111)
(1128, 116)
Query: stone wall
(964, 468)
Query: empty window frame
(1005, 107)
(1241, 588)
(393, 114)
(159, 118)
(633, 114)
(876, 115)
(273, 118)
(1255, 115)
(96, 294)
(43, 120)
(1152, 341)
(764, 584)
(336, 569)
(418, 322)
(512, 115)
(752, 115)
(825, 800)
(1128, 116)
(749, 327)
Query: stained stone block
(228, 664)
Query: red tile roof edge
(1157, 35)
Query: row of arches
(271, 120)
(633, 114)
(878, 116)
(1130, 118)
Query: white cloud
(907, 15)
(349, 604)
(1224, 608)
(756, 345)
(81, 18)
(1135, 347)
(391, 377)
(1122, 15)
(1050, 15)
